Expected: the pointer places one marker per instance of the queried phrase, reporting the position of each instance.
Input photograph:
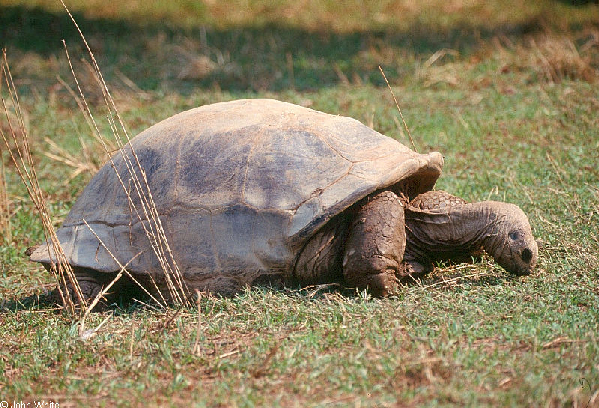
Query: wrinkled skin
(456, 230)
(389, 239)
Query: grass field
(507, 91)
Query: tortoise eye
(526, 255)
(514, 235)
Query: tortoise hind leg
(91, 284)
(375, 245)
(320, 260)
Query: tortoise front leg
(375, 245)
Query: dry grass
(81, 164)
(146, 209)
(552, 58)
(433, 71)
(547, 58)
(16, 141)
(17, 144)
(5, 232)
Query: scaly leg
(375, 245)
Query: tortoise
(261, 191)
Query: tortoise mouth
(526, 255)
(522, 271)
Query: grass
(5, 228)
(507, 91)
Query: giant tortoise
(259, 191)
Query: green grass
(512, 108)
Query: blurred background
(276, 45)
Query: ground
(507, 91)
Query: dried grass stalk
(398, 108)
(17, 144)
(551, 58)
(5, 231)
(143, 207)
(558, 59)
(80, 164)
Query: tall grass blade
(17, 144)
(144, 207)
(5, 231)
(398, 108)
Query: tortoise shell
(239, 188)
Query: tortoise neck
(448, 234)
(494, 215)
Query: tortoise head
(514, 247)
